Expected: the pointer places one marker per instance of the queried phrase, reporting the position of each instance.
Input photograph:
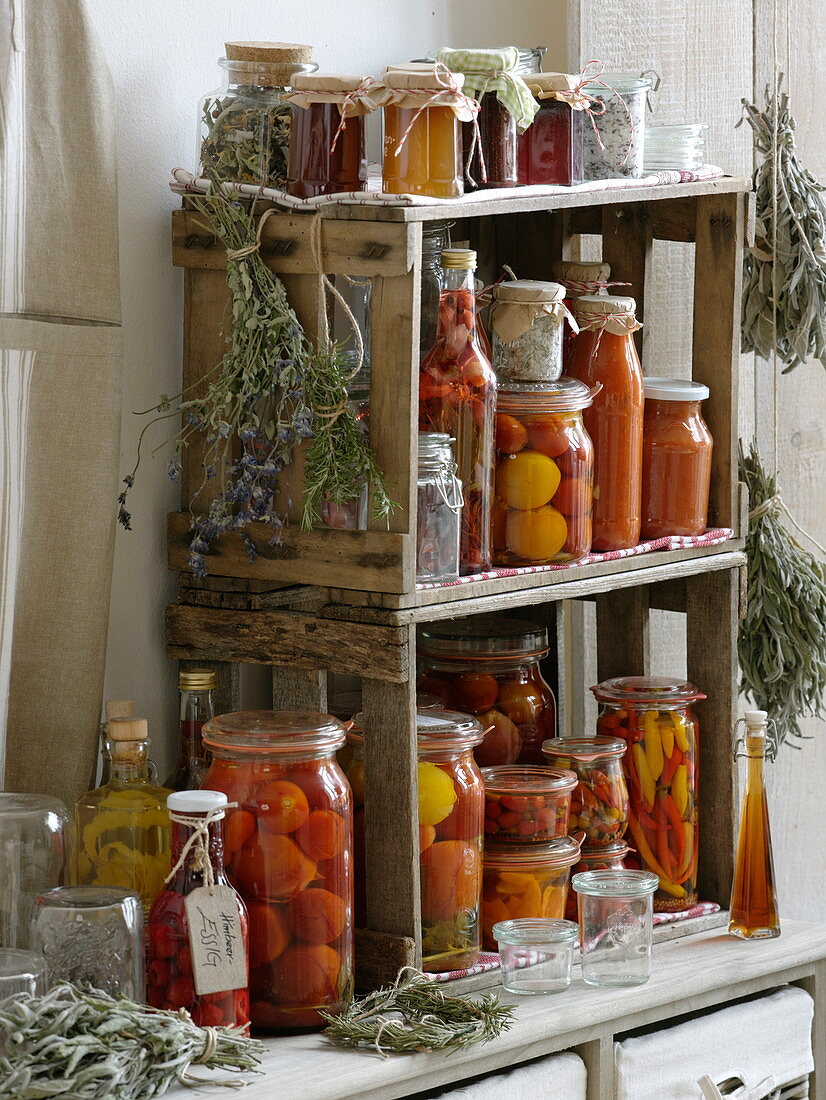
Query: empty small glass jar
(91, 934)
(536, 955)
(439, 510)
(20, 972)
(34, 835)
(615, 923)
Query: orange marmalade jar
(604, 353)
(676, 459)
(288, 851)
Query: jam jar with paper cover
(544, 473)
(528, 320)
(599, 805)
(489, 667)
(655, 718)
(327, 127)
(288, 851)
(578, 278)
(550, 150)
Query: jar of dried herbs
(244, 127)
(528, 318)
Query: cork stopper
(119, 708)
(129, 729)
(271, 53)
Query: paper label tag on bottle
(219, 961)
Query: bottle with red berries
(198, 929)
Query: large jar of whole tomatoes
(489, 667)
(544, 473)
(609, 857)
(655, 718)
(288, 850)
(604, 354)
(525, 880)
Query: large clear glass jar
(288, 851)
(544, 473)
(439, 510)
(327, 128)
(244, 126)
(489, 667)
(616, 926)
(599, 805)
(654, 716)
(550, 151)
(621, 125)
(34, 858)
(196, 687)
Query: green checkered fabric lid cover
(494, 70)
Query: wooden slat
(623, 642)
(380, 957)
(598, 1056)
(670, 219)
(291, 638)
(306, 596)
(626, 245)
(227, 693)
(299, 689)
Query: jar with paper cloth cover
(580, 278)
(550, 150)
(528, 320)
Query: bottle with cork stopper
(113, 708)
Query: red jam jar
(527, 804)
(550, 151)
(327, 134)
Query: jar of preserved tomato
(544, 473)
(550, 151)
(527, 804)
(604, 354)
(599, 805)
(655, 718)
(525, 880)
(288, 850)
(608, 857)
(327, 134)
(676, 459)
(489, 667)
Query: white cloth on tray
(557, 1077)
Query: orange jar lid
(274, 731)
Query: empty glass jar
(34, 837)
(439, 510)
(537, 955)
(615, 923)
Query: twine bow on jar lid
(581, 278)
(607, 313)
(519, 302)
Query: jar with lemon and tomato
(489, 667)
(544, 473)
(288, 852)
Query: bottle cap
(459, 259)
(197, 679)
(128, 729)
(674, 389)
(196, 802)
(756, 722)
(119, 708)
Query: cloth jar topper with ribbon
(528, 319)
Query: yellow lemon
(537, 535)
(527, 480)
(436, 794)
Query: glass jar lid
(615, 884)
(434, 729)
(483, 636)
(584, 750)
(622, 83)
(655, 691)
(528, 780)
(535, 931)
(674, 389)
(274, 731)
(617, 849)
(562, 396)
(560, 851)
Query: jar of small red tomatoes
(288, 850)
(525, 880)
(609, 857)
(654, 716)
(527, 804)
(489, 668)
(599, 805)
(544, 473)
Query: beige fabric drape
(60, 366)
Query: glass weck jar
(599, 805)
(655, 718)
(525, 881)
(457, 396)
(676, 458)
(604, 354)
(244, 127)
(544, 473)
(506, 108)
(192, 964)
(489, 667)
(527, 804)
(528, 319)
(327, 127)
(35, 857)
(435, 239)
(550, 150)
(439, 509)
(196, 687)
(609, 857)
(423, 106)
(620, 126)
(288, 851)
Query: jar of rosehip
(489, 668)
(527, 804)
(599, 805)
(288, 851)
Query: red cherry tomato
(511, 435)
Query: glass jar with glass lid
(439, 510)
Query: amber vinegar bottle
(753, 897)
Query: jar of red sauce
(610, 857)
(604, 354)
(288, 849)
(327, 128)
(580, 278)
(550, 151)
(676, 459)
(489, 668)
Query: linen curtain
(60, 370)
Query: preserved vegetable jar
(244, 127)
(528, 319)
(527, 804)
(608, 857)
(489, 667)
(599, 805)
(621, 125)
(550, 151)
(327, 126)
(439, 509)
(544, 473)
(604, 354)
(189, 966)
(676, 459)
(525, 880)
(655, 718)
(196, 687)
(288, 851)
(457, 396)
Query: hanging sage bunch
(76, 1044)
(782, 639)
(784, 293)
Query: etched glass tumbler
(33, 853)
(615, 925)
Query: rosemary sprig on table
(414, 1015)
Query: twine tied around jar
(592, 287)
(197, 844)
(619, 324)
(512, 317)
(593, 114)
(349, 99)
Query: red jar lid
(274, 731)
(561, 851)
(531, 780)
(655, 691)
(584, 749)
(483, 636)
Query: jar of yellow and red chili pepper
(654, 716)
(609, 857)
(525, 880)
(599, 805)
(527, 804)
(489, 667)
(288, 852)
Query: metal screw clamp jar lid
(458, 259)
(197, 679)
(674, 389)
(269, 731)
(560, 851)
(483, 636)
(434, 729)
(657, 692)
(608, 853)
(436, 458)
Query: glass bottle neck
(129, 760)
(457, 301)
(186, 877)
(197, 707)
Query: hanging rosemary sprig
(414, 1015)
(782, 639)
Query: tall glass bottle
(753, 896)
(196, 687)
(457, 395)
(122, 828)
